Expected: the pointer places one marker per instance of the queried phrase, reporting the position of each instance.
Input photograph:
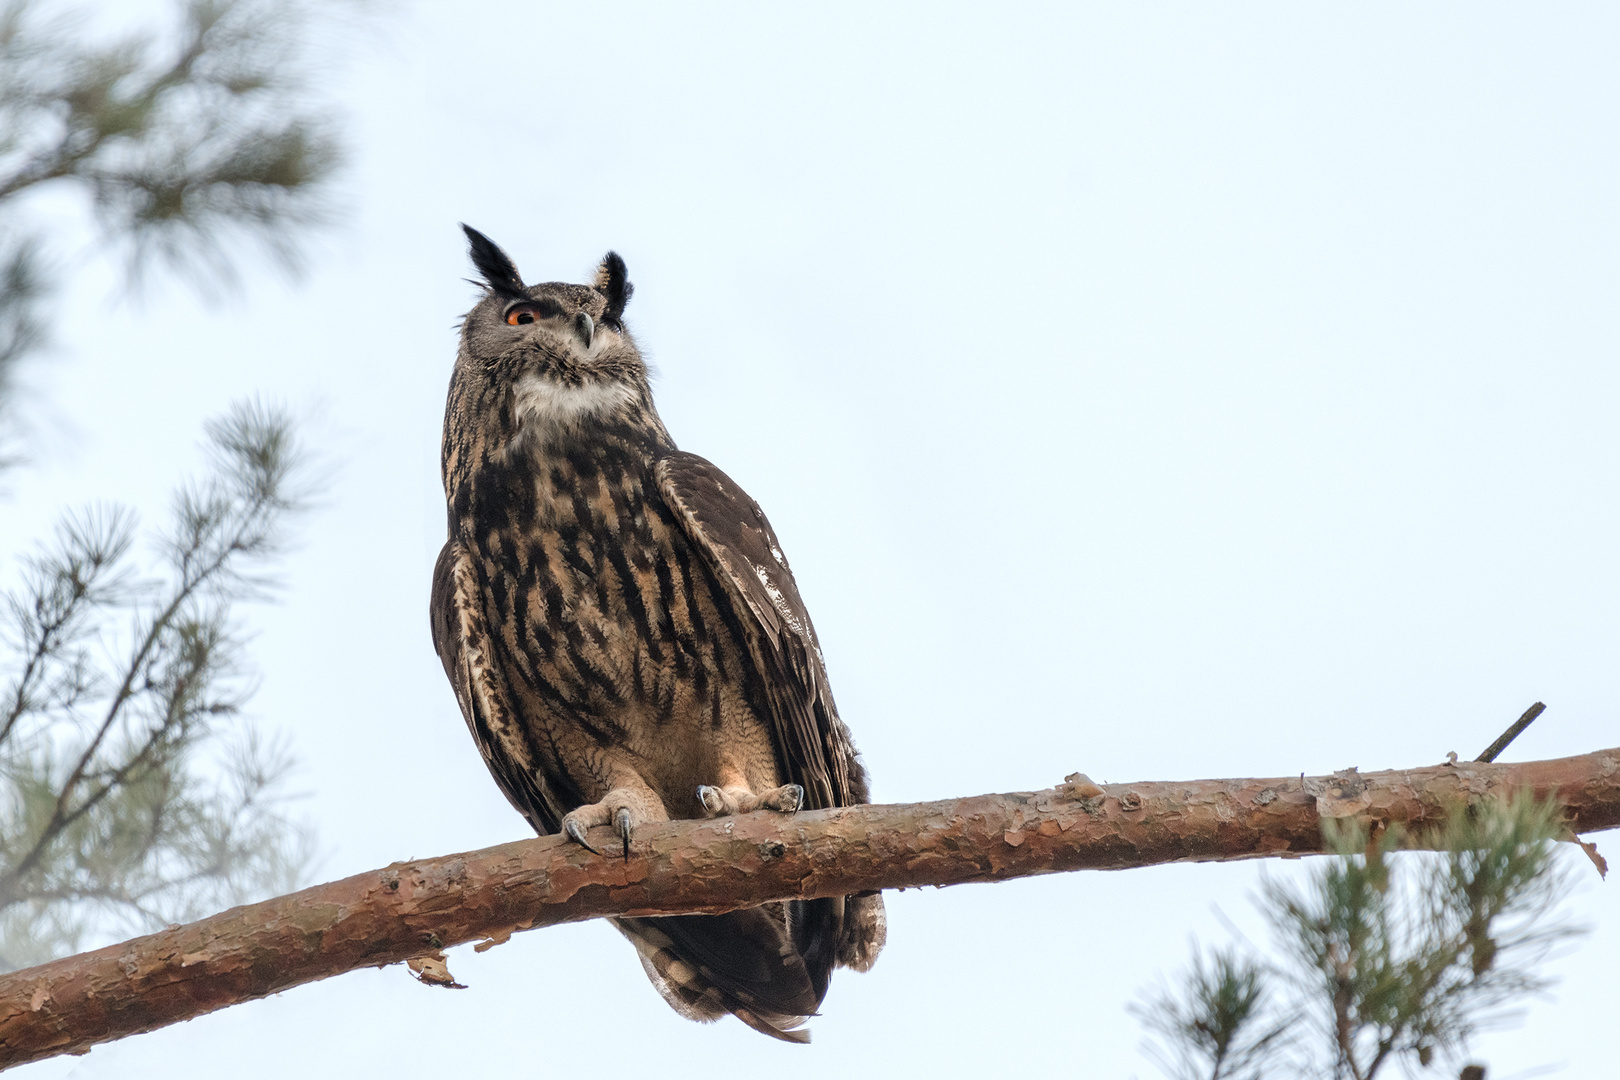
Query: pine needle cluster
(1383, 957)
(133, 793)
(179, 143)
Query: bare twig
(413, 909)
(1502, 740)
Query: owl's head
(560, 350)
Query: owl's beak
(585, 328)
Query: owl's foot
(719, 802)
(620, 809)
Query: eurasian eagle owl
(625, 638)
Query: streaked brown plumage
(624, 635)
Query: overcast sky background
(1155, 391)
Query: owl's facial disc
(576, 329)
(567, 367)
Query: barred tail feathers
(744, 963)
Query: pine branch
(193, 580)
(180, 144)
(97, 790)
(412, 909)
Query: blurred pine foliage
(1382, 957)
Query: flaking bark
(413, 909)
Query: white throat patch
(542, 407)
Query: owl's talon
(622, 820)
(712, 799)
(577, 835)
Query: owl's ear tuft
(613, 282)
(494, 265)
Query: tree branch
(411, 909)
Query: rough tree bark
(413, 909)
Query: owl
(625, 637)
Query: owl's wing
(461, 636)
(741, 548)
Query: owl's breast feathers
(633, 594)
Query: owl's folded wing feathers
(742, 549)
(461, 637)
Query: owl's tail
(767, 966)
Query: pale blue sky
(1158, 391)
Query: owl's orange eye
(528, 311)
